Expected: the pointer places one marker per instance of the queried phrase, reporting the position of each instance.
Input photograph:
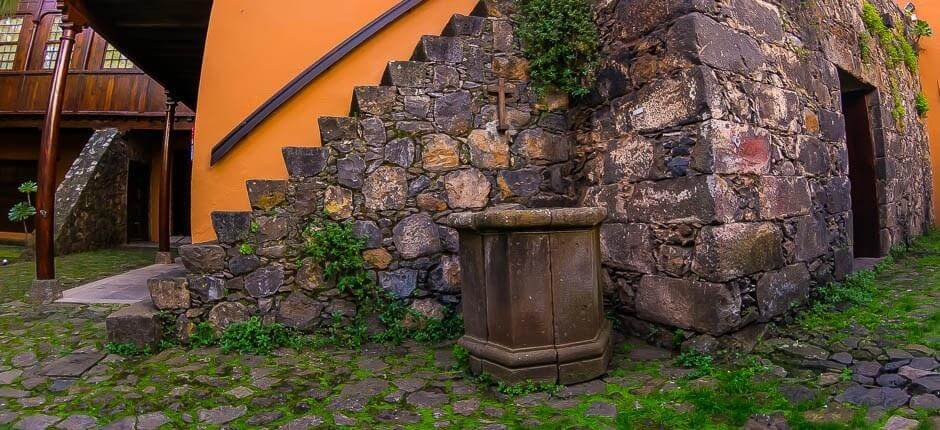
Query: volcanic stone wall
(425, 144)
(716, 141)
(714, 138)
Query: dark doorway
(862, 173)
(182, 177)
(138, 202)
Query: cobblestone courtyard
(866, 364)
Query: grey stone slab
(126, 288)
(72, 366)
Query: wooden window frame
(52, 44)
(10, 47)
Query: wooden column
(48, 153)
(163, 256)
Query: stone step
(338, 128)
(305, 162)
(408, 74)
(439, 49)
(231, 227)
(266, 195)
(376, 101)
(493, 8)
(463, 25)
(137, 324)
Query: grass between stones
(686, 392)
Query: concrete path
(126, 288)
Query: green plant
(898, 111)
(203, 335)
(339, 251)
(254, 337)
(846, 375)
(461, 357)
(701, 364)
(246, 249)
(254, 228)
(126, 349)
(23, 211)
(895, 46)
(8, 7)
(922, 29)
(922, 105)
(864, 47)
(560, 40)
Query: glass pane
(50, 56)
(113, 59)
(7, 56)
(10, 29)
(56, 32)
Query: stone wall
(423, 145)
(716, 140)
(91, 202)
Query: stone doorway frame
(864, 146)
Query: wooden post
(164, 256)
(48, 152)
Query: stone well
(533, 301)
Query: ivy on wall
(897, 50)
(560, 40)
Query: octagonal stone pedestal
(532, 295)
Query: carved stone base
(45, 291)
(163, 258)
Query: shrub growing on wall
(560, 40)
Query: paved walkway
(126, 288)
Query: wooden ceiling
(164, 38)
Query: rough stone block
(350, 171)
(401, 283)
(778, 292)
(266, 195)
(705, 307)
(417, 236)
(691, 199)
(440, 49)
(207, 289)
(784, 197)
(463, 25)
(453, 113)
(731, 148)
(699, 38)
(136, 324)
(226, 313)
(204, 258)
(629, 158)
(542, 147)
(407, 74)
(400, 152)
(169, 293)
(231, 227)
(488, 149)
(628, 247)
(672, 102)
(521, 183)
(467, 189)
(305, 162)
(811, 238)
(334, 128)
(377, 101)
(440, 153)
(264, 282)
(299, 312)
(386, 188)
(730, 251)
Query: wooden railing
(308, 76)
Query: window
(9, 39)
(51, 55)
(113, 59)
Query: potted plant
(23, 212)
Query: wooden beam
(48, 152)
(165, 173)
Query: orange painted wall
(253, 49)
(929, 10)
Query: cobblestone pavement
(866, 366)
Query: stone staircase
(423, 145)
